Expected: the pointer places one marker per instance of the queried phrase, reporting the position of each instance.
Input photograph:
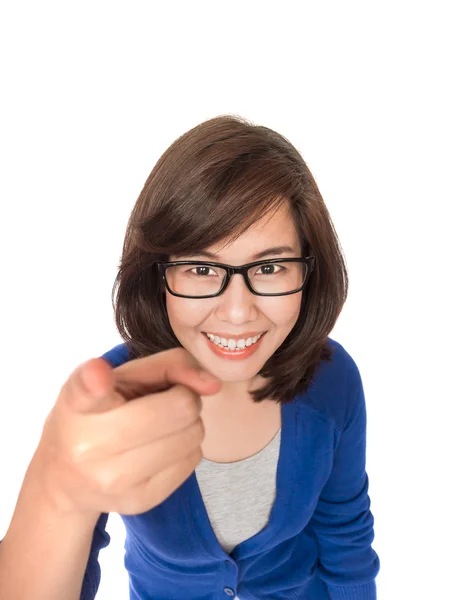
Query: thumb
(90, 387)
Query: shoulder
(342, 364)
(334, 386)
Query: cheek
(284, 313)
(183, 312)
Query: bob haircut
(209, 186)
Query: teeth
(232, 344)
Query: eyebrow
(284, 249)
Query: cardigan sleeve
(100, 540)
(342, 520)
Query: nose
(237, 303)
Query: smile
(233, 350)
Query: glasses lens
(195, 280)
(278, 278)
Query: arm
(342, 521)
(44, 554)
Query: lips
(234, 354)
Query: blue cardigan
(317, 543)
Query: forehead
(276, 226)
(273, 230)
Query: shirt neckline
(198, 514)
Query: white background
(92, 94)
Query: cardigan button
(228, 591)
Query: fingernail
(90, 386)
(85, 378)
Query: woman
(278, 507)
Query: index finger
(159, 372)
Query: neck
(233, 395)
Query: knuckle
(106, 480)
(181, 351)
(183, 358)
(187, 407)
(200, 429)
(177, 353)
(80, 451)
(194, 434)
(197, 456)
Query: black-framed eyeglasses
(204, 279)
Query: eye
(202, 269)
(269, 270)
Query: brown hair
(211, 184)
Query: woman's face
(237, 310)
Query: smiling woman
(233, 193)
(230, 253)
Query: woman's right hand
(122, 440)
